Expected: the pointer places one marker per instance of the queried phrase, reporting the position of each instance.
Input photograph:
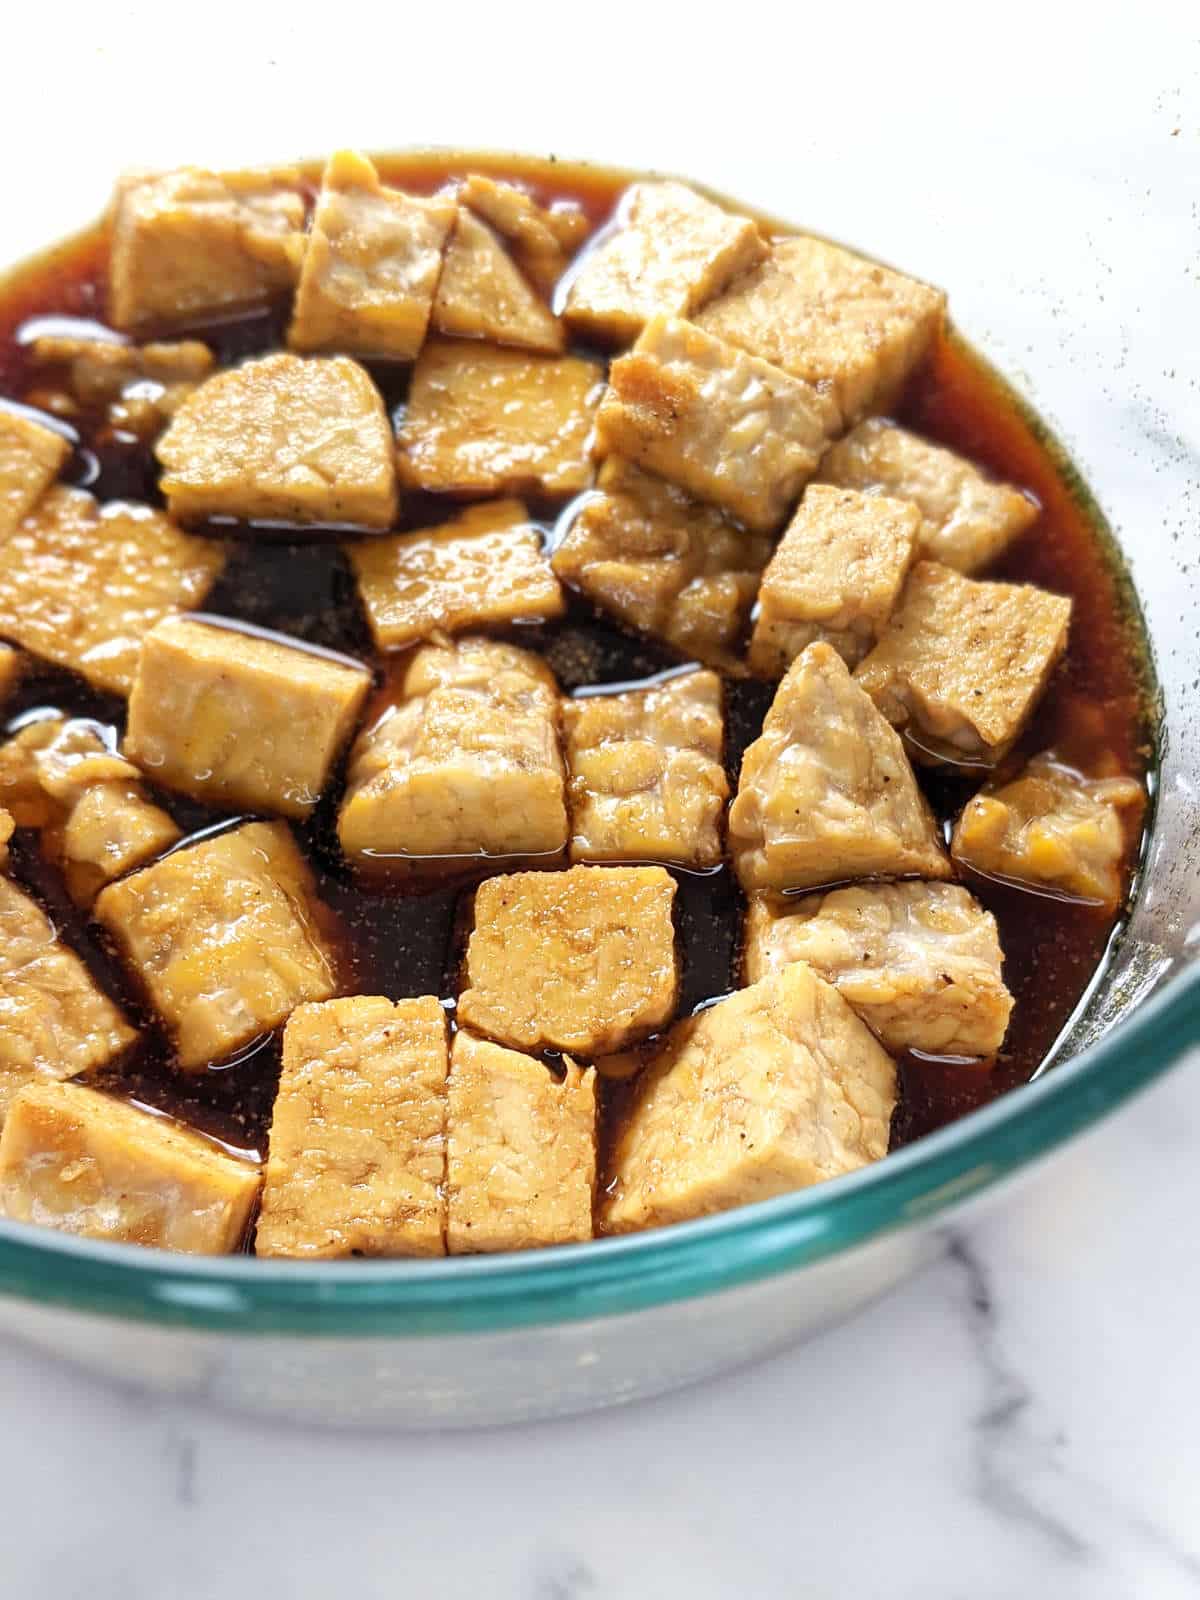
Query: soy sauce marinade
(405, 942)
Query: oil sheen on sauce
(405, 939)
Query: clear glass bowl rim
(484, 1294)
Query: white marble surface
(1021, 1420)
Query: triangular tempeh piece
(482, 294)
(827, 792)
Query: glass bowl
(551, 1332)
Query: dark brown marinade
(401, 941)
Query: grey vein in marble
(1010, 1450)
(1003, 1438)
(561, 1576)
(180, 1451)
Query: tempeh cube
(664, 564)
(482, 419)
(724, 426)
(190, 245)
(463, 761)
(836, 575)
(776, 1088)
(86, 1163)
(100, 370)
(1053, 828)
(846, 325)
(487, 566)
(225, 937)
(371, 265)
(963, 663)
(582, 960)
(139, 386)
(110, 829)
(30, 458)
(543, 238)
(919, 962)
(482, 295)
(826, 792)
(358, 1133)
(82, 584)
(283, 438)
(521, 1150)
(646, 780)
(54, 1020)
(670, 250)
(96, 818)
(21, 791)
(967, 519)
(242, 720)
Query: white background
(1023, 1419)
